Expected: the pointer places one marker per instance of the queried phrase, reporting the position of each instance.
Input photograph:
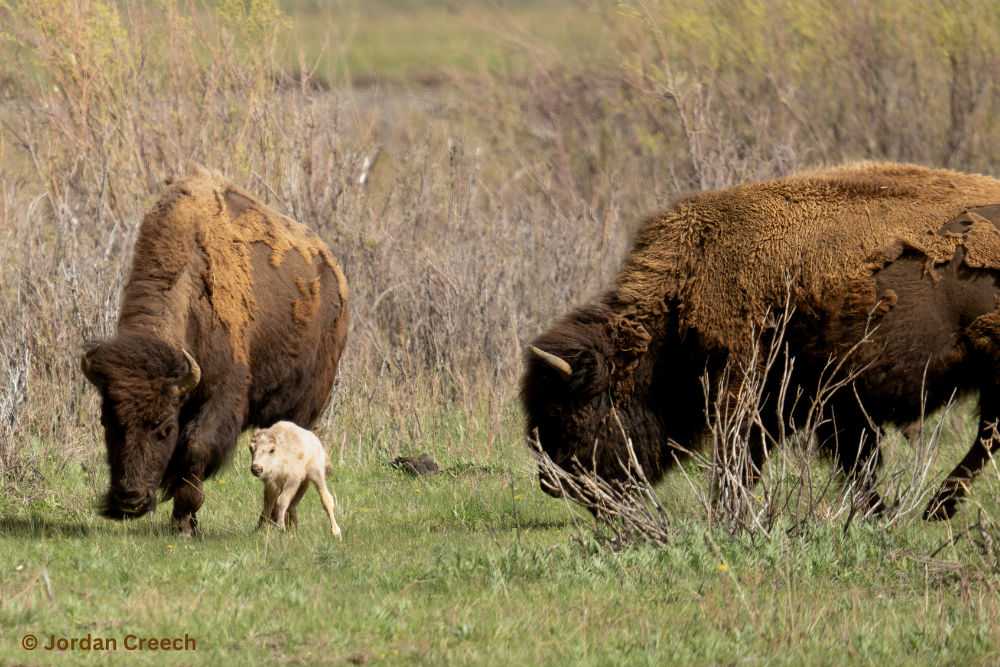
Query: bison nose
(256, 469)
(135, 502)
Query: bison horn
(94, 378)
(555, 362)
(193, 377)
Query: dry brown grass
(468, 215)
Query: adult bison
(916, 250)
(233, 316)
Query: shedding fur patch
(223, 220)
(981, 240)
(305, 309)
(721, 257)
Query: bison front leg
(270, 497)
(945, 504)
(291, 514)
(285, 499)
(208, 439)
(188, 499)
(855, 446)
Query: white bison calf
(287, 458)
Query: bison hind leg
(293, 515)
(327, 500)
(945, 504)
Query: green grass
(431, 571)
(418, 43)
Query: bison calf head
(262, 452)
(142, 381)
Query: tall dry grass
(467, 215)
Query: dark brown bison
(233, 316)
(912, 253)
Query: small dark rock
(360, 657)
(421, 466)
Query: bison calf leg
(292, 515)
(285, 498)
(188, 500)
(327, 500)
(267, 512)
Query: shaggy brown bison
(233, 316)
(915, 250)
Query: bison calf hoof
(941, 508)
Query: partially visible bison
(233, 316)
(916, 250)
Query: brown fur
(223, 220)
(899, 241)
(724, 255)
(212, 274)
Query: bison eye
(164, 428)
(554, 410)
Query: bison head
(142, 381)
(571, 394)
(262, 452)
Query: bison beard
(233, 316)
(911, 252)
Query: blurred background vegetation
(477, 168)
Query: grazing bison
(916, 250)
(233, 316)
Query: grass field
(442, 571)
(420, 44)
(477, 170)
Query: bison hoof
(185, 527)
(941, 508)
